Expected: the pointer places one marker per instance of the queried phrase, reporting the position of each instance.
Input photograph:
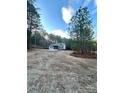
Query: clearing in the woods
(58, 72)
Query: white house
(57, 46)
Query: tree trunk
(29, 34)
(28, 39)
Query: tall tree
(80, 28)
(33, 20)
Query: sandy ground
(58, 72)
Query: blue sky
(56, 14)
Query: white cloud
(60, 32)
(67, 14)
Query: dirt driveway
(58, 72)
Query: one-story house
(57, 46)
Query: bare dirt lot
(58, 72)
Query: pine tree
(33, 20)
(80, 28)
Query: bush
(75, 45)
(92, 45)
